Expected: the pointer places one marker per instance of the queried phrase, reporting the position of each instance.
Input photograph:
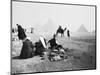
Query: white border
(5, 37)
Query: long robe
(27, 50)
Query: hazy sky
(37, 14)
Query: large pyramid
(82, 29)
(50, 26)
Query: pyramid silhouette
(82, 29)
(49, 26)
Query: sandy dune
(81, 55)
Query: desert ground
(81, 56)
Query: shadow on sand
(16, 57)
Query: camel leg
(61, 35)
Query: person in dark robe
(32, 30)
(68, 33)
(53, 43)
(27, 50)
(21, 32)
(40, 47)
(60, 27)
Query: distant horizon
(37, 15)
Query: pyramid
(82, 29)
(49, 26)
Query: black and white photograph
(52, 37)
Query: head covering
(43, 41)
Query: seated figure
(40, 47)
(53, 43)
(27, 50)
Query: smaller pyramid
(82, 29)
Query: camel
(61, 31)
